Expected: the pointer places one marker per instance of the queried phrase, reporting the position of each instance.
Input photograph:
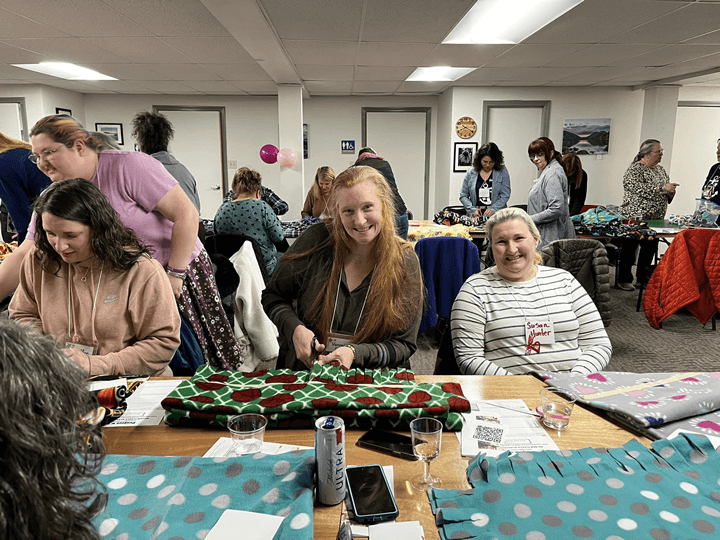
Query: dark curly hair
(493, 152)
(246, 180)
(78, 200)
(153, 131)
(48, 485)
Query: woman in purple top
(151, 203)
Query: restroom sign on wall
(347, 147)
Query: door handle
(215, 188)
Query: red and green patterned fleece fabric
(361, 397)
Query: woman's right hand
(303, 340)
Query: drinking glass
(426, 439)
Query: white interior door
(399, 137)
(10, 121)
(513, 129)
(692, 161)
(198, 145)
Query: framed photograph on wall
(114, 130)
(463, 156)
(60, 110)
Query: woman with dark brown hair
(349, 290)
(548, 197)
(577, 182)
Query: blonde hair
(8, 143)
(508, 214)
(323, 173)
(388, 308)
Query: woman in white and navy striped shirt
(517, 316)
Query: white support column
(659, 118)
(290, 119)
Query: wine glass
(426, 439)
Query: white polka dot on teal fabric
(650, 495)
(281, 467)
(177, 499)
(479, 519)
(161, 529)
(522, 511)
(208, 489)
(710, 511)
(117, 483)
(597, 515)
(290, 477)
(284, 512)
(109, 468)
(300, 521)
(221, 501)
(627, 524)
(107, 526)
(566, 506)
(535, 535)
(614, 483)
(155, 481)
(164, 492)
(271, 496)
(127, 499)
(506, 478)
(546, 480)
(201, 534)
(575, 489)
(689, 488)
(669, 516)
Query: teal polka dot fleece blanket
(181, 497)
(671, 490)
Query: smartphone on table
(370, 495)
(388, 442)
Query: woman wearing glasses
(648, 191)
(548, 197)
(486, 187)
(151, 203)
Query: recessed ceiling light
(64, 70)
(438, 73)
(506, 21)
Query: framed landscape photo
(463, 156)
(60, 110)
(114, 130)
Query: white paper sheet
(143, 406)
(522, 432)
(407, 530)
(254, 526)
(223, 447)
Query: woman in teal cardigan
(486, 187)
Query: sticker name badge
(87, 349)
(537, 333)
(484, 193)
(335, 341)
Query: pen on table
(531, 413)
(345, 531)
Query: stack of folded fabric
(668, 491)
(362, 397)
(653, 404)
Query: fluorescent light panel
(64, 70)
(438, 73)
(506, 21)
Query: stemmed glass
(426, 439)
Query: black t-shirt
(711, 188)
(480, 183)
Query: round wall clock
(465, 127)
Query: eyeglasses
(35, 158)
(533, 156)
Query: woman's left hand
(488, 213)
(344, 355)
(79, 357)
(176, 284)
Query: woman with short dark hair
(486, 186)
(548, 197)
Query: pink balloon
(287, 158)
(269, 153)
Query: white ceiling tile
(375, 86)
(218, 50)
(537, 75)
(421, 86)
(463, 55)
(238, 72)
(183, 72)
(608, 73)
(711, 38)
(597, 20)
(392, 54)
(212, 86)
(337, 53)
(383, 73)
(330, 86)
(15, 26)
(11, 72)
(619, 83)
(688, 22)
(165, 18)
(325, 73)
(140, 50)
(668, 55)
(533, 55)
(122, 87)
(705, 62)
(17, 55)
(422, 20)
(257, 87)
(604, 54)
(75, 86)
(79, 18)
(167, 87)
(137, 72)
(67, 50)
(567, 83)
(671, 71)
(331, 20)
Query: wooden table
(586, 429)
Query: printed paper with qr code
(519, 432)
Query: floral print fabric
(294, 399)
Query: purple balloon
(268, 153)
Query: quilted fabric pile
(294, 399)
(668, 491)
(688, 275)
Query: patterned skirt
(199, 303)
